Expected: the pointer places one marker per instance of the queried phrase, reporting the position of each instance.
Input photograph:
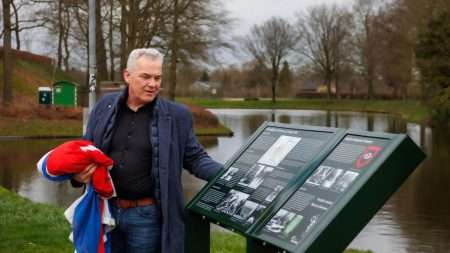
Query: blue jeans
(137, 230)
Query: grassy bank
(11, 126)
(410, 110)
(39, 127)
(28, 227)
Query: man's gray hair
(137, 53)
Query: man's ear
(126, 75)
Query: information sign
(253, 180)
(302, 189)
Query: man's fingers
(90, 169)
(85, 175)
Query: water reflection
(415, 219)
(18, 172)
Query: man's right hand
(86, 174)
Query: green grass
(28, 227)
(222, 242)
(51, 128)
(39, 127)
(410, 110)
(31, 75)
(213, 131)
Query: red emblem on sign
(367, 156)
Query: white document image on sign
(279, 150)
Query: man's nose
(151, 82)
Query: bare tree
(113, 27)
(195, 27)
(174, 46)
(323, 30)
(8, 60)
(366, 40)
(141, 24)
(55, 17)
(396, 39)
(341, 44)
(100, 52)
(269, 44)
(22, 21)
(16, 24)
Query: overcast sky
(250, 12)
(245, 13)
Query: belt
(130, 203)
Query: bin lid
(44, 89)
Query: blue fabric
(52, 178)
(142, 227)
(84, 215)
(174, 147)
(86, 225)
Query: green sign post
(302, 189)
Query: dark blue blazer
(174, 147)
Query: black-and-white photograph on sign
(232, 202)
(274, 193)
(255, 176)
(279, 222)
(319, 175)
(331, 178)
(344, 182)
(259, 209)
(231, 172)
(246, 210)
(279, 150)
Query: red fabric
(74, 156)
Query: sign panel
(304, 189)
(344, 166)
(255, 178)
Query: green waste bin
(64, 94)
(45, 95)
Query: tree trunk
(132, 26)
(336, 84)
(274, 82)
(66, 55)
(328, 80)
(123, 35)
(110, 39)
(174, 54)
(60, 34)
(100, 52)
(8, 57)
(370, 74)
(16, 27)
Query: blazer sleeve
(196, 160)
(88, 135)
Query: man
(150, 140)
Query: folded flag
(74, 156)
(89, 215)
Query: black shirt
(131, 151)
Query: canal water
(415, 219)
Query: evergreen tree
(433, 55)
(204, 77)
(286, 77)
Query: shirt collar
(123, 101)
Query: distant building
(210, 88)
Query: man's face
(144, 81)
